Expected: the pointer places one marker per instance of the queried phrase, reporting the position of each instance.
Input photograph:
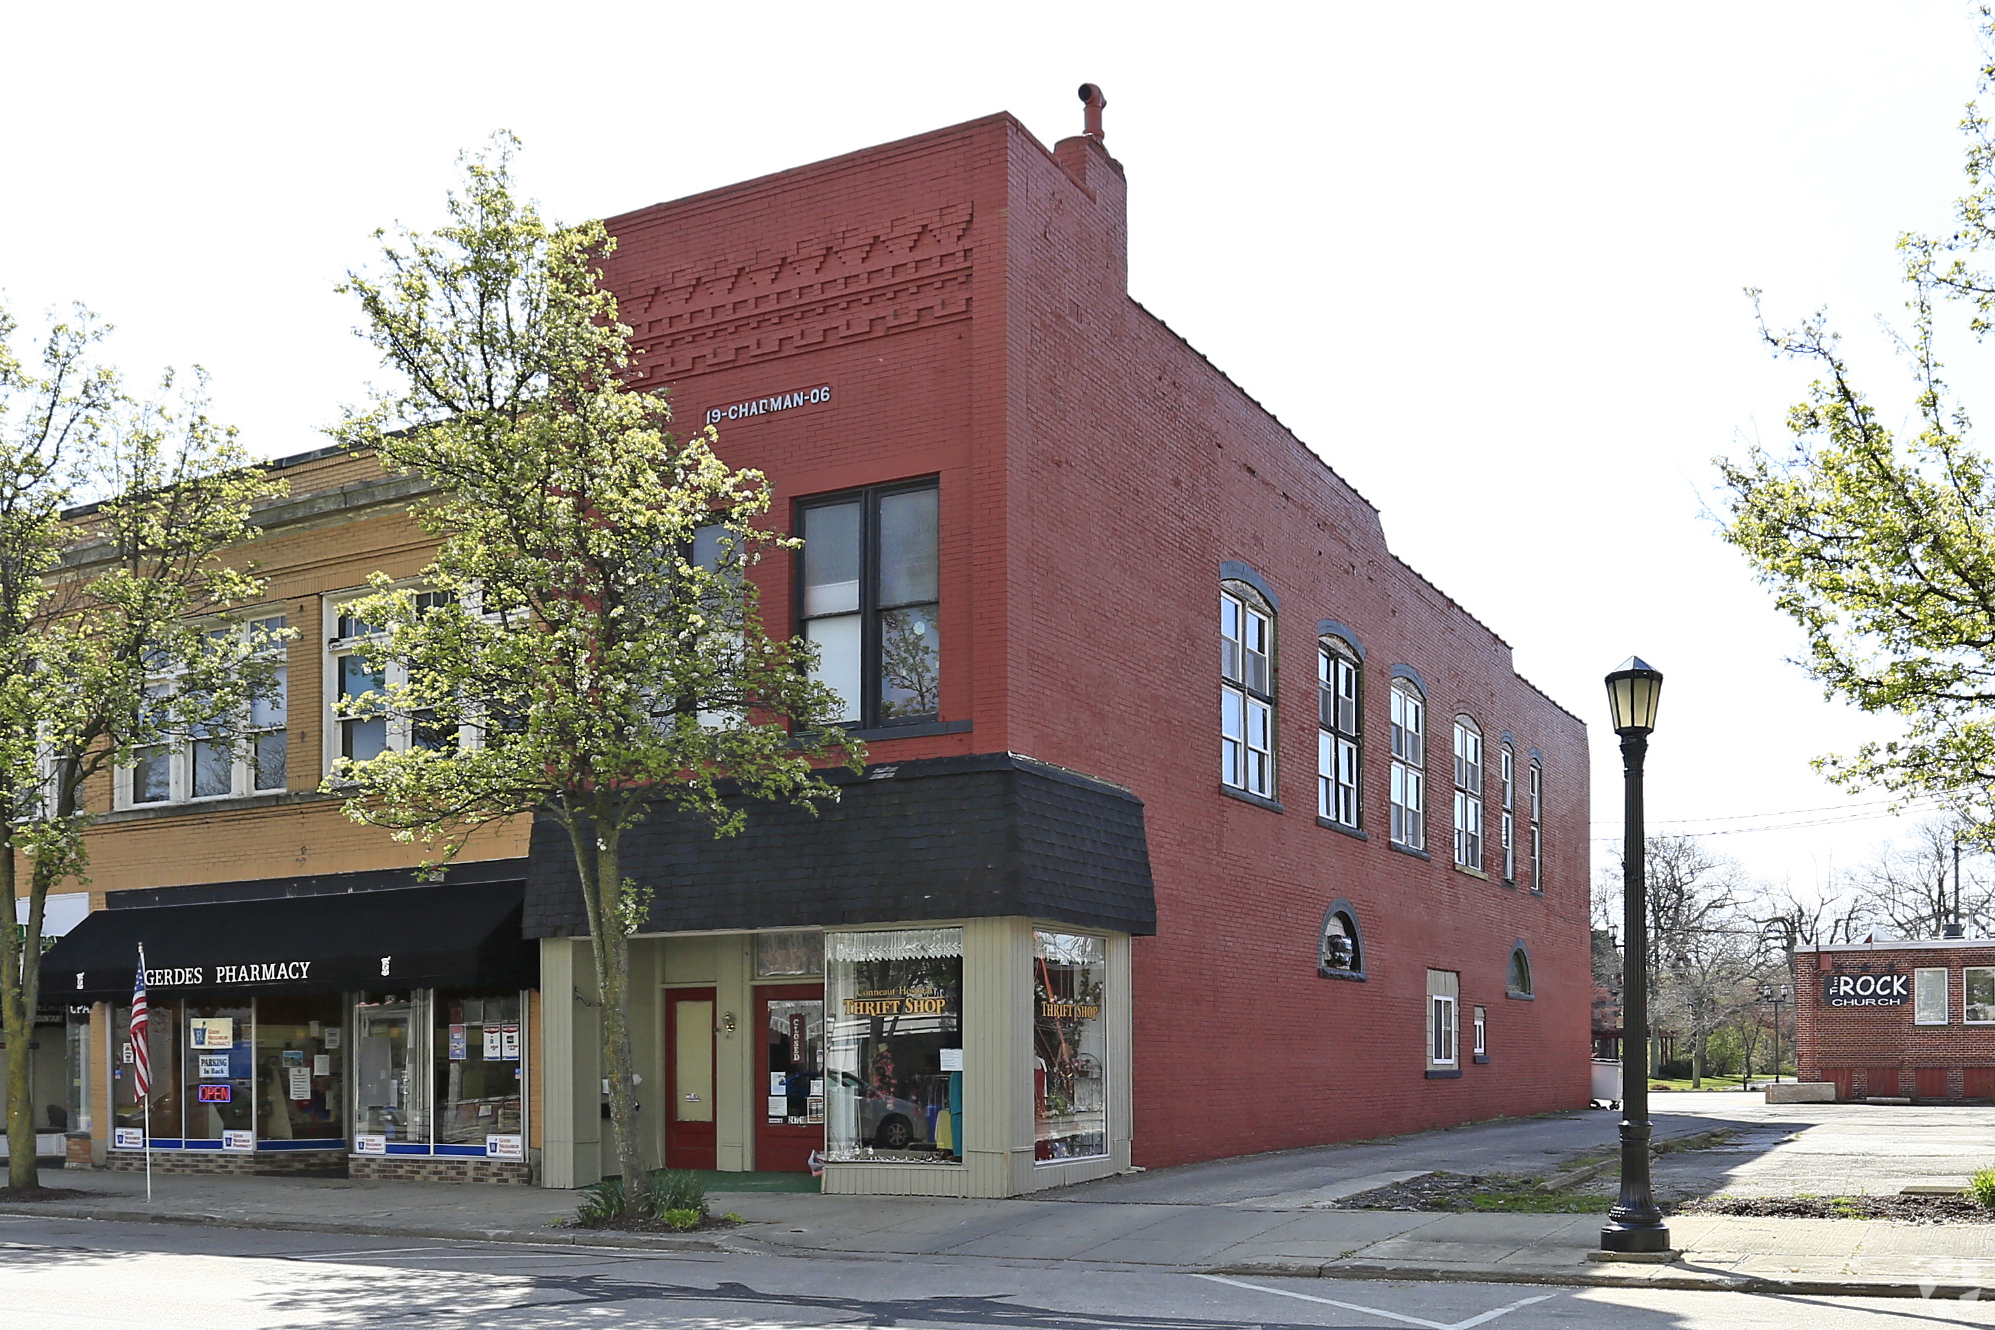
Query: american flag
(141, 1065)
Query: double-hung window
(870, 601)
(220, 758)
(1444, 995)
(1409, 761)
(1337, 740)
(1246, 691)
(1468, 794)
(1507, 782)
(1537, 796)
(362, 725)
(1929, 996)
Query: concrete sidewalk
(1875, 1258)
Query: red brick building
(952, 310)
(1898, 1019)
(1196, 824)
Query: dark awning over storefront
(450, 935)
(942, 838)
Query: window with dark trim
(869, 598)
(1468, 793)
(1518, 981)
(1537, 827)
(1507, 771)
(1246, 690)
(1337, 741)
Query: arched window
(1468, 794)
(1507, 786)
(1409, 765)
(1337, 740)
(1340, 954)
(1518, 982)
(1247, 690)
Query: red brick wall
(1878, 1050)
(965, 294)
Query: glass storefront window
(76, 1080)
(1069, 1045)
(894, 1047)
(162, 1115)
(477, 1062)
(300, 1069)
(217, 1085)
(387, 1071)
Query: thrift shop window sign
(922, 997)
(1866, 990)
(762, 406)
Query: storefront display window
(77, 1076)
(894, 1048)
(217, 1083)
(161, 1116)
(478, 1070)
(300, 1069)
(389, 1102)
(1069, 1045)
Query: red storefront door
(789, 1073)
(689, 1058)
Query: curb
(1707, 1281)
(531, 1237)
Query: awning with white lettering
(452, 935)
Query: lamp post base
(1634, 1237)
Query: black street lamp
(1634, 1224)
(1774, 995)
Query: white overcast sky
(1485, 259)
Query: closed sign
(1866, 990)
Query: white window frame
(1247, 705)
(1921, 1011)
(1339, 736)
(1507, 773)
(1482, 1032)
(1443, 1038)
(180, 752)
(1967, 1016)
(1469, 775)
(1408, 792)
(1536, 780)
(400, 730)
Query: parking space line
(1485, 1317)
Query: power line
(1785, 812)
(1783, 826)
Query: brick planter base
(439, 1168)
(263, 1163)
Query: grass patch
(1711, 1082)
(1525, 1198)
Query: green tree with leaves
(1880, 544)
(115, 632)
(587, 643)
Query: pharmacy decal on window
(240, 1141)
(211, 1032)
(1866, 990)
(505, 1147)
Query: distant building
(1898, 1019)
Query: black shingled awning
(940, 838)
(451, 935)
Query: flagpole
(145, 1101)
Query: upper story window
(1537, 807)
(1507, 785)
(1247, 690)
(1409, 762)
(360, 725)
(219, 760)
(1468, 794)
(1337, 740)
(870, 601)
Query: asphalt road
(63, 1274)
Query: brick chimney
(1086, 159)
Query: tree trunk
(1697, 1057)
(597, 856)
(20, 982)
